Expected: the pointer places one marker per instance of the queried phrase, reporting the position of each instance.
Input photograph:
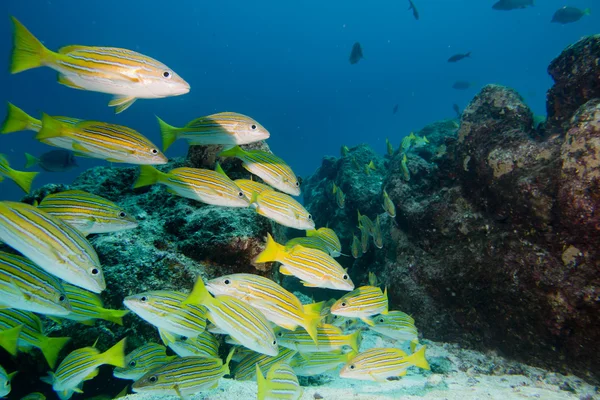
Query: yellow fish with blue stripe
(281, 383)
(329, 338)
(124, 73)
(142, 360)
(378, 364)
(328, 235)
(21, 178)
(311, 364)
(313, 242)
(404, 168)
(356, 247)
(388, 205)
(246, 369)
(87, 307)
(249, 187)
(203, 345)
(377, 233)
(396, 325)
(362, 302)
(340, 197)
(283, 209)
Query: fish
(249, 187)
(277, 304)
(367, 169)
(568, 15)
(344, 151)
(311, 364)
(388, 205)
(356, 54)
(414, 9)
(407, 142)
(142, 360)
(362, 303)
(378, 364)
(34, 396)
(5, 381)
(51, 244)
(404, 168)
(126, 74)
(82, 365)
(203, 345)
(396, 325)
(166, 310)
(420, 141)
(458, 57)
(364, 239)
(24, 330)
(378, 234)
(270, 168)
(390, 148)
(395, 109)
(329, 236)
(355, 164)
(95, 139)
(456, 109)
(507, 5)
(366, 222)
(281, 383)
(246, 369)
(87, 307)
(283, 209)
(21, 178)
(203, 185)
(329, 337)
(312, 266)
(53, 161)
(183, 377)
(240, 320)
(25, 286)
(227, 128)
(340, 197)
(461, 85)
(356, 247)
(313, 242)
(87, 212)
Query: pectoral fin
(284, 270)
(63, 80)
(121, 103)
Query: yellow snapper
(126, 74)
(282, 209)
(87, 212)
(366, 222)
(313, 242)
(356, 247)
(340, 197)
(388, 205)
(329, 236)
(25, 286)
(82, 365)
(227, 128)
(404, 168)
(5, 384)
(362, 303)
(378, 364)
(390, 148)
(281, 383)
(364, 238)
(311, 364)
(329, 337)
(249, 187)
(396, 325)
(203, 345)
(95, 139)
(344, 151)
(203, 185)
(88, 307)
(377, 234)
(142, 360)
(21, 178)
(270, 168)
(24, 330)
(183, 377)
(246, 369)
(277, 304)
(51, 244)
(314, 267)
(240, 320)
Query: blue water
(286, 65)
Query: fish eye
(122, 214)
(153, 379)
(309, 217)
(132, 363)
(380, 319)
(352, 366)
(253, 127)
(154, 151)
(274, 342)
(167, 74)
(297, 184)
(241, 194)
(280, 334)
(343, 304)
(227, 281)
(95, 271)
(62, 298)
(143, 298)
(345, 277)
(183, 338)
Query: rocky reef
(495, 244)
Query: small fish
(281, 383)
(373, 281)
(456, 109)
(311, 364)
(53, 161)
(356, 54)
(87, 212)
(340, 197)
(378, 364)
(507, 5)
(277, 304)
(21, 178)
(440, 151)
(5, 379)
(227, 128)
(395, 109)
(270, 168)
(124, 73)
(82, 365)
(356, 247)
(344, 151)
(183, 377)
(378, 234)
(458, 57)
(313, 242)
(404, 168)
(330, 237)
(110, 142)
(23, 330)
(203, 345)
(166, 310)
(246, 369)
(236, 317)
(568, 15)
(362, 303)
(51, 244)
(388, 205)
(390, 148)
(356, 164)
(461, 85)
(34, 396)
(88, 307)
(312, 266)
(25, 286)
(283, 209)
(142, 360)
(364, 221)
(203, 185)
(249, 187)
(419, 141)
(367, 169)
(396, 325)
(364, 239)
(407, 142)
(329, 337)
(414, 9)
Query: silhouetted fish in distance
(567, 15)
(507, 5)
(356, 54)
(395, 110)
(458, 57)
(461, 85)
(414, 9)
(53, 161)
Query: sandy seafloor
(456, 374)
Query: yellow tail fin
(31, 160)
(18, 120)
(50, 348)
(272, 251)
(148, 176)
(51, 128)
(21, 178)
(114, 316)
(28, 52)
(115, 355)
(355, 341)
(262, 384)
(168, 133)
(311, 323)
(9, 339)
(418, 359)
(228, 360)
(232, 152)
